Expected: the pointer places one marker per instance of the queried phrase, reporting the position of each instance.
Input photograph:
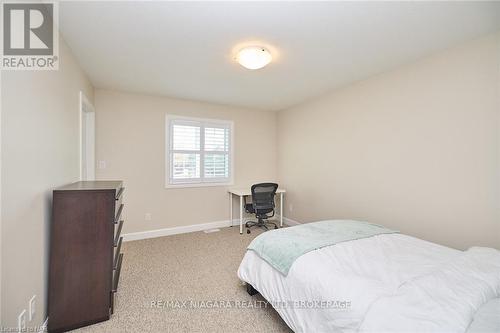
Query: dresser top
(92, 185)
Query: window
(199, 151)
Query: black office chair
(262, 205)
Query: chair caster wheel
(248, 231)
(275, 227)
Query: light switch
(101, 165)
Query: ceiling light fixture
(254, 57)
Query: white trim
(192, 228)
(207, 184)
(177, 230)
(289, 222)
(84, 107)
(196, 183)
(195, 119)
(44, 328)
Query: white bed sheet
(358, 272)
(487, 318)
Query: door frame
(87, 138)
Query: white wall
(40, 151)
(416, 149)
(130, 137)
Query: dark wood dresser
(85, 258)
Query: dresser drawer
(116, 253)
(116, 279)
(119, 194)
(118, 204)
(117, 233)
(116, 272)
(118, 213)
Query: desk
(243, 192)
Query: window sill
(193, 185)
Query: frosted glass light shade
(254, 57)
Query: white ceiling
(185, 49)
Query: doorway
(87, 138)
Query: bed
(383, 283)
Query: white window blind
(199, 151)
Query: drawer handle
(117, 275)
(119, 214)
(119, 194)
(118, 232)
(117, 253)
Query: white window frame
(199, 182)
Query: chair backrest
(263, 197)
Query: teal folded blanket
(280, 248)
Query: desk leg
(281, 210)
(230, 209)
(241, 214)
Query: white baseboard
(191, 228)
(290, 222)
(177, 230)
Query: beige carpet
(196, 267)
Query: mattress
(331, 289)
